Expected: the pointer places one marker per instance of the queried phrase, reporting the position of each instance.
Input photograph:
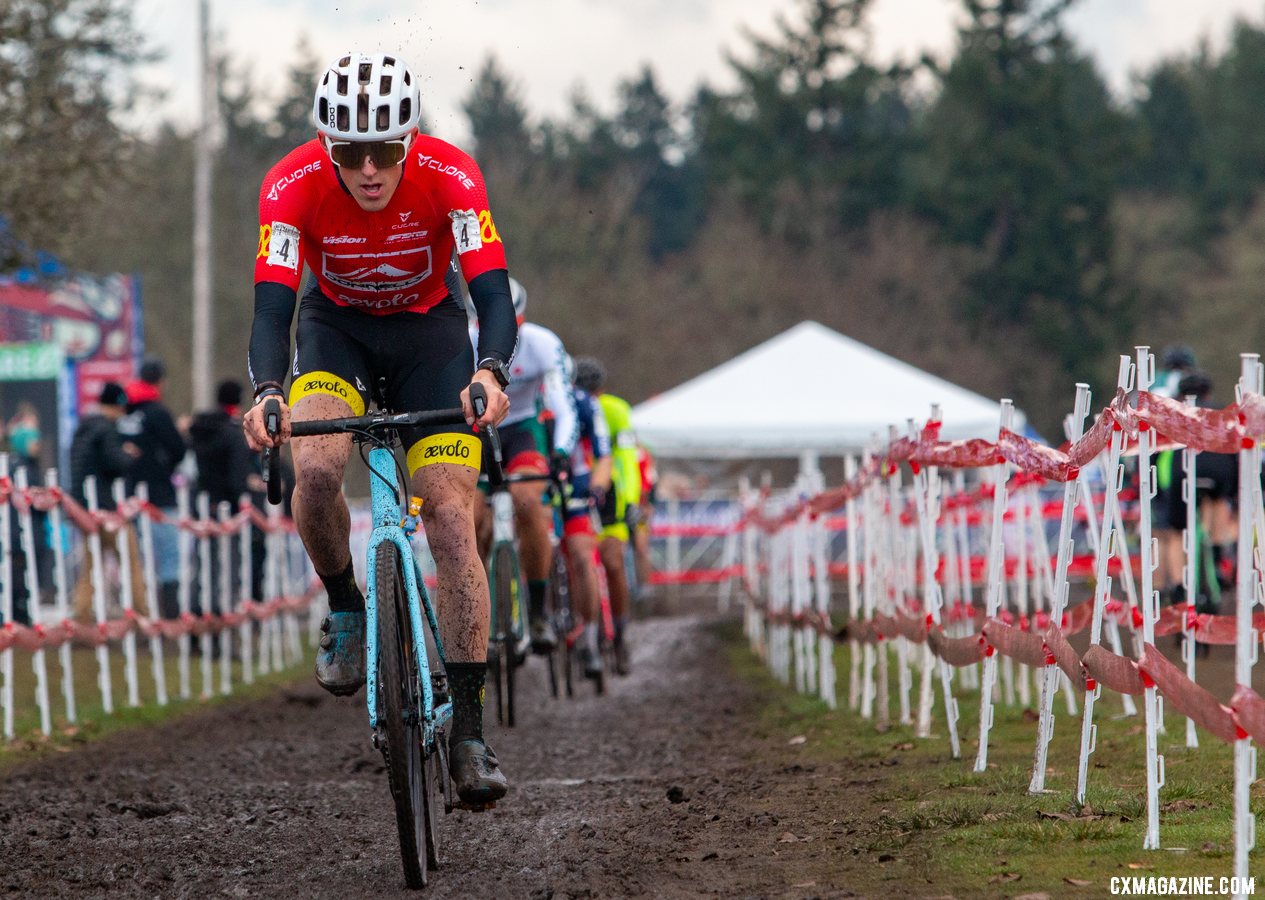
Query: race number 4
(465, 230)
(283, 246)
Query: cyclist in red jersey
(385, 218)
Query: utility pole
(202, 335)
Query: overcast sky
(551, 46)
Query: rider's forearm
(498, 327)
(269, 353)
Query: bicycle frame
(384, 489)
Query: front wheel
(399, 708)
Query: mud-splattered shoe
(476, 773)
(340, 661)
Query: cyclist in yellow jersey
(625, 494)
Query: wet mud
(661, 788)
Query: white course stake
(854, 589)
(1094, 524)
(994, 575)
(184, 589)
(869, 594)
(246, 580)
(1149, 600)
(205, 639)
(819, 543)
(63, 600)
(1104, 540)
(224, 544)
(896, 589)
(126, 598)
(38, 665)
(104, 681)
(1190, 546)
(1247, 641)
(1050, 672)
(927, 503)
(158, 667)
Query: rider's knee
(447, 524)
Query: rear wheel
(504, 601)
(398, 711)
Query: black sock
(465, 686)
(536, 598)
(344, 595)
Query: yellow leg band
(459, 449)
(327, 383)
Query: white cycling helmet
(367, 97)
(518, 294)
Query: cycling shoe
(340, 661)
(475, 772)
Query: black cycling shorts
(426, 360)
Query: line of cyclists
(563, 424)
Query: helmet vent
(384, 117)
(344, 118)
(341, 87)
(388, 60)
(344, 62)
(366, 72)
(384, 84)
(362, 113)
(406, 110)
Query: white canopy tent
(809, 391)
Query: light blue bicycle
(409, 707)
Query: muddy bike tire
(398, 706)
(560, 610)
(504, 646)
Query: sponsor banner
(30, 362)
(92, 319)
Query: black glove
(560, 465)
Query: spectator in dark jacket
(228, 469)
(97, 450)
(149, 425)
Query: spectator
(149, 425)
(227, 467)
(97, 450)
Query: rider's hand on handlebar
(498, 403)
(560, 464)
(256, 432)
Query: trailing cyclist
(590, 480)
(540, 379)
(625, 494)
(385, 217)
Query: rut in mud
(659, 788)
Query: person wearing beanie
(150, 427)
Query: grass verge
(920, 823)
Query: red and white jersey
(379, 262)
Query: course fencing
(912, 569)
(216, 615)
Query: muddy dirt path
(658, 789)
